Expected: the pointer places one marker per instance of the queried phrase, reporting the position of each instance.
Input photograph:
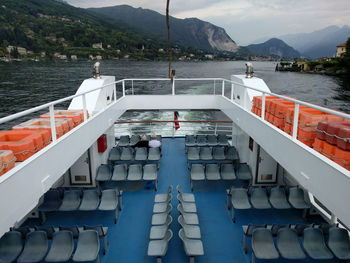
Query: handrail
(151, 121)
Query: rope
(4, 165)
(28, 151)
(334, 135)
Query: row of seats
(160, 233)
(313, 243)
(36, 247)
(259, 199)
(126, 140)
(50, 231)
(206, 140)
(130, 154)
(214, 172)
(189, 232)
(132, 172)
(86, 200)
(212, 153)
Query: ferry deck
(280, 159)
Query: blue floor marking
(128, 239)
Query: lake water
(27, 84)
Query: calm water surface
(27, 84)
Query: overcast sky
(248, 20)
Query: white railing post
(173, 87)
(223, 88)
(263, 106)
(84, 107)
(115, 92)
(132, 87)
(216, 127)
(232, 91)
(123, 88)
(53, 123)
(214, 86)
(295, 121)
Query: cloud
(248, 20)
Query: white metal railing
(168, 128)
(232, 85)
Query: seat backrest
(182, 235)
(227, 167)
(48, 229)
(313, 236)
(73, 229)
(243, 167)
(212, 167)
(90, 194)
(168, 235)
(89, 237)
(98, 228)
(120, 168)
(135, 168)
(180, 208)
(23, 230)
(296, 193)
(150, 168)
(37, 237)
(338, 237)
(258, 192)
(169, 219)
(262, 235)
(109, 194)
(181, 220)
(10, 241)
(251, 227)
(197, 167)
(178, 188)
(239, 193)
(276, 227)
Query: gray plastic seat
(150, 172)
(227, 171)
(159, 231)
(49, 230)
(212, 140)
(278, 198)
(205, 153)
(124, 140)
(314, 244)
(158, 248)
(71, 200)
(212, 172)
(190, 140)
(88, 247)
(219, 153)
(119, 172)
(188, 207)
(160, 207)
(74, 229)
(114, 154)
(35, 247)
(135, 172)
(186, 197)
(248, 232)
(161, 198)
(201, 140)
(141, 154)
(102, 233)
(296, 198)
(288, 244)
(190, 231)
(243, 172)
(109, 202)
(192, 247)
(134, 139)
(104, 173)
(222, 140)
(339, 243)
(259, 198)
(161, 218)
(197, 172)
(231, 154)
(189, 218)
(11, 246)
(239, 200)
(62, 247)
(262, 245)
(193, 153)
(90, 200)
(154, 154)
(127, 154)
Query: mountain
(189, 32)
(274, 47)
(320, 43)
(53, 26)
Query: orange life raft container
(7, 161)
(62, 125)
(77, 116)
(23, 143)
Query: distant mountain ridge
(319, 43)
(190, 32)
(274, 47)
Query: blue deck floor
(128, 239)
